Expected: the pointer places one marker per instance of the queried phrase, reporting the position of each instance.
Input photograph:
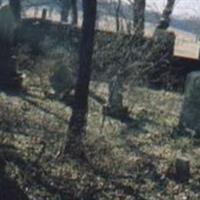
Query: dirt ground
(131, 159)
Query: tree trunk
(65, 6)
(139, 18)
(117, 15)
(7, 65)
(16, 8)
(74, 12)
(165, 19)
(68, 5)
(78, 121)
(8, 73)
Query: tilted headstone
(190, 116)
(115, 107)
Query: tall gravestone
(9, 78)
(190, 115)
(115, 100)
(115, 107)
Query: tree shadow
(9, 188)
(131, 123)
(32, 171)
(40, 107)
(12, 92)
(181, 131)
(97, 98)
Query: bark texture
(78, 121)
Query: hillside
(132, 160)
(90, 113)
(129, 159)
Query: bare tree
(165, 19)
(78, 121)
(139, 17)
(9, 77)
(64, 10)
(117, 15)
(68, 5)
(74, 12)
(16, 8)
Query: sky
(183, 8)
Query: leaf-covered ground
(132, 160)
(124, 160)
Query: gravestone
(115, 106)
(9, 78)
(116, 93)
(62, 81)
(190, 116)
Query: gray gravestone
(190, 116)
(116, 93)
(62, 80)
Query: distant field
(186, 45)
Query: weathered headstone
(115, 106)
(9, 78)
(190, 116)
(62, 81)
(115, 100)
